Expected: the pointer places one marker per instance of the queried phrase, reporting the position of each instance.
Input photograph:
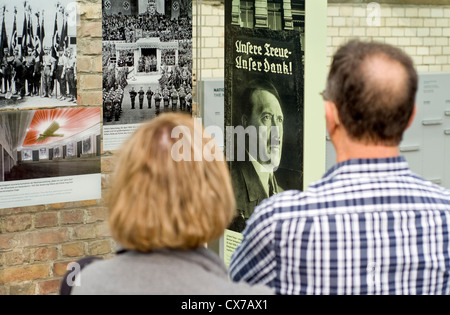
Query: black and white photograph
(264, 90)
(50, 143)
(50, 155)
(147, 59)
(38, 54)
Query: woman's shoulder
(195, 272)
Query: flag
(13, 43)
(55, 40)
(64, 40)
(41, 37)
(24, 34)
(67, 34)
(30, 33)
(175, 9)
(4, 38)
(38, 39)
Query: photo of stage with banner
(147, 63)
(49, 156)
(38, 54)
(264, 88)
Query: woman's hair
(158, 200)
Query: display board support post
(315, 80)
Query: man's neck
(348, 149)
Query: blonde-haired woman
(167, 202)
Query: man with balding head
(369, 226)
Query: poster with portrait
(147, 63)
(264, 103)
(50, 156)
(38, 54)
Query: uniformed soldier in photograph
(70, 68)
(121, 93)
(5, 69)
(189, 102)
(182, 96)
(108, 108)
(18, 73)
(157, 99)
(149, 97)
(174, 98)
(133, 95)
(141, 98)
(48, 64)
(60, 76)
(29, 66)
(166, 95)
(154, 64)
(36, 73)
(117, 103)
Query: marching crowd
(177, 99)
(166, 96)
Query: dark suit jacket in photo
(248, 190)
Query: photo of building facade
(147, 46)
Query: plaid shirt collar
(355, 168)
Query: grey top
(194, 272)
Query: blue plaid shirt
(369, 226)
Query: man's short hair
(371, 109)
(246, 105)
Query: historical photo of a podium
(147, 59)
(38, 54)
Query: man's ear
(413, 115)
(331, 117)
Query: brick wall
(37, 243)
(212, 42)
(423, 31)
